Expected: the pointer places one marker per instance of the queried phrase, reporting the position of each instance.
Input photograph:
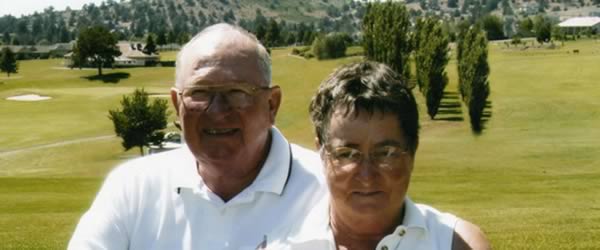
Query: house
(132, 55)
(24, 52)
(576, 25)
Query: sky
(26, 7)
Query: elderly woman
(366, 123)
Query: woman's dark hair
(368, 86)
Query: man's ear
(175, 99)
(317, 143)
(274, 102)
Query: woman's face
(367, 165)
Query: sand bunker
(28, 98)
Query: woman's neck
(354, 232)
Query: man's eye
(199, 94)
(347, 154)
(237, 92)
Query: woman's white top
(423, 227)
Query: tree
(525, 27)
(8, 61)
(272, 35)
(543, 29)
(161, 39)
(140, 122)
(386, 35)
(6, 38)
(493, 26)
(97, 45)
(150, 47)
(431, 58)
(452, 3)
(261, 32)
(331, 46)
(473, 71)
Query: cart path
(56, 144)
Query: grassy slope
(530, 180)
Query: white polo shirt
(160, 202)
(423, 228)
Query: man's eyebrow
(390, 143)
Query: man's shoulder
(149, 167)
(308, 161)
(306, 157)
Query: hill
(178, 19)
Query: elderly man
(237, 185)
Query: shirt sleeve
(104, 225)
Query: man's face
(222, 133)
(372, 185)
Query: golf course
(530, 179)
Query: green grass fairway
(530, 180)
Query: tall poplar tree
(473, 71)
(386, 35)
(431, 58)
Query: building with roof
(576, 25)
(132, 55)
(24, 52)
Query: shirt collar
(184, 173)
(272, 177)
(413, 217)
(276, 170)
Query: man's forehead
(220, 53)
(223, 69)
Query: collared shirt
(423, 228)
(160, 202)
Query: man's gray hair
(264, 59)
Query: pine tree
(273, 33)
(6, 38)
(8, 61)
(386, 35)
(161, 39)
(140, 122)
(543, 29)
(150, 47)
(431, 58)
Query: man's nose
(218, 104)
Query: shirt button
(384, 248)
(402, 231)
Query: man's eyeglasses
(238, 96)
(384, 157)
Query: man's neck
(227, 184)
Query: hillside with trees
(275, 22)
(174, 21)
